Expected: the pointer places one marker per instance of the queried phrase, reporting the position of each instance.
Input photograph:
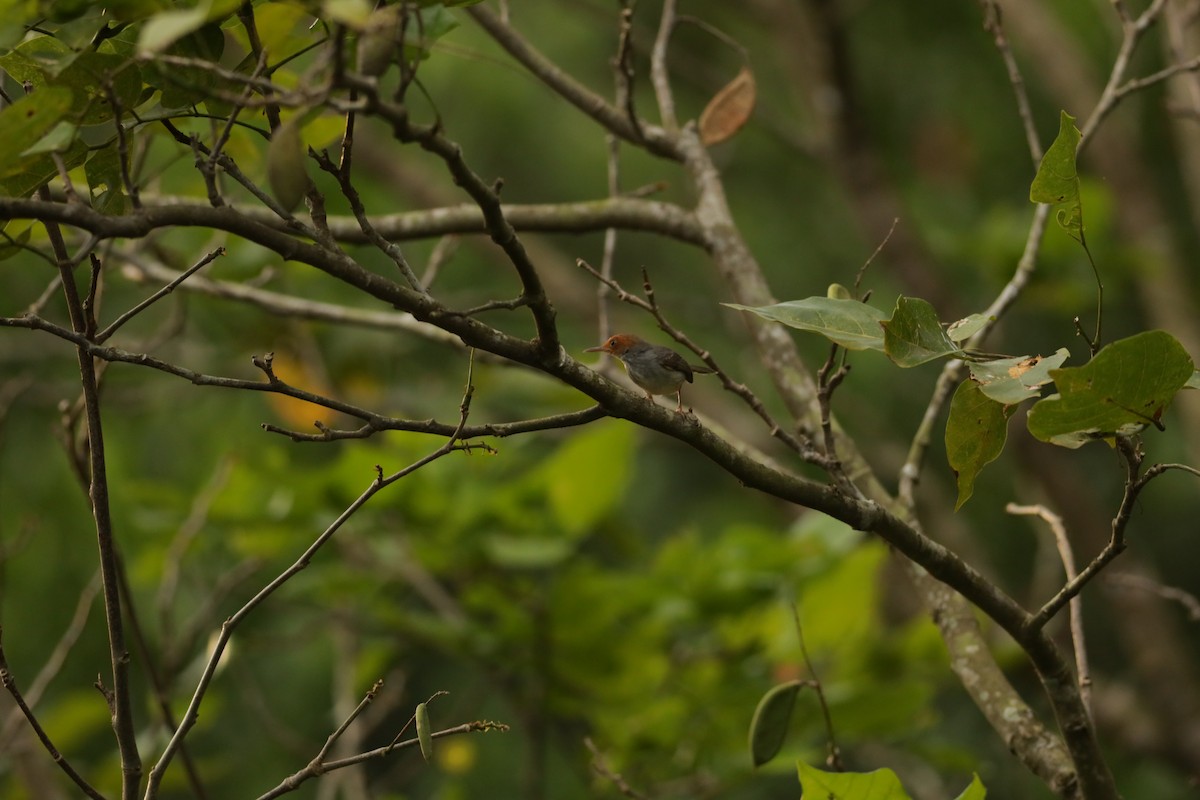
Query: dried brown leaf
(729, 109)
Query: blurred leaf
(133, 10)
(103, 172)
(882, 784)
(975, 791)
(56, 141)
(91, 76)
(25, 122)
(914, 335)
(1128, 385)
(36, 60)
(37, 170)
(380, 40)
(282, 28)
(9, 247)
(849, 323)
(975, 434)
(436, 22)
(1194, 381)
(769, 726)
(525, 552)
(729, 109)
(287, 172)
(1012, 380)
(183, 86)
(351, 13)
(166, 27)
(1057, 178)
(587, 476)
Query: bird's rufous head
(616, 345)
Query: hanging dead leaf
(729, 110)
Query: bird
(654, 368)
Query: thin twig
(1189, 601)
(116, 324)
(452, 444)
(833, 758)
(1065, 554)
(120, 697)
(601, 768)
(10, 683)
(801, 446)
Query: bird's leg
(679, 400)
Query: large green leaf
(850, 323)
(914, 335)
(975, 434)
(1011, 380)
(1125, 387)
(882, 784)
(1057, 179)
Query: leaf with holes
(1012, 380)
(1057, 178)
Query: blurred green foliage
(599, 582)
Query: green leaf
(975, 791)
(424, 734)
(166, 27)
(351, 13)
(914, 335)
(527, 552)
(103, 172)
(1128, 385)
(849, 323)
(56, 141)
(1012, 380)
(91, 76)
(186, 86)
(1057, 178)
(882, 784)
(769, 726)
(967, 327)
(37, 60)
(25, 122)
(1194, 381)
(36, 170)
(975, 434)
(11, 245)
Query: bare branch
(1055, 523)
(10, 684)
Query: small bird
(654, 368)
